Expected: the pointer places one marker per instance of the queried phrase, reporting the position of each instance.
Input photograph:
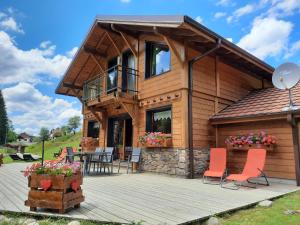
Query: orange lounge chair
(253, 169)
(217, 165)
(63, 154)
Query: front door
(119, 135)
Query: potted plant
(245, 142)
(54, 185)
(156, 139)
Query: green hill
(51, 146)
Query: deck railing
(115, 79)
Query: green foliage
(268, 216)
(65, 130)
(3, 120)
(44, 134)
(74, 123)
(11, 134)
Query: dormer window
(158, 59)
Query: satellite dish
(285, 77)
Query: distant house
(24, 137)
(54, 133)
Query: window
(159, 120)
(93, 129)
(158, 59)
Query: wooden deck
(155, 199)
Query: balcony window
(158, 59)
(159, 120)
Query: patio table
(86, 156)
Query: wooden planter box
(166, 143)
(60, 196)
(247, 147)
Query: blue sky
(39, 38)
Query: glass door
(128, 72)
(112, 75)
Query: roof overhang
(179, 28)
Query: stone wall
(173, 161)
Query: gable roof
(179, 28)
(264, 102)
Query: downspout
(190, 104)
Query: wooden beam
(129, 45)
(99, 119)
(93, 51)
(113, 42)
(72, 86)
(98, 63)
(179, 56)
(76, 94)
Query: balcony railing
(115, 79)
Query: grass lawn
(267, 216)
(50, 146)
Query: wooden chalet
(137, 74)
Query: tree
(44, 134)
(3, 120)
(74, 123)
(11, 134)
(65, 130)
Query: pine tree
(3, 120)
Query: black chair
(107, 159)
(16, 156)
(127, 154)
(30, 157)
(95, 159)
(135, 157)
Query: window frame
(147, 69)
(159, 109)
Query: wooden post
(295, 134)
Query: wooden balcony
(115, 84)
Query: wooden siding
(215, 86)
(280, 163)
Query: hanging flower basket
(156, 140)
(54, 186)
(246, 142)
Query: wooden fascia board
(247, 119)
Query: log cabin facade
(136, 74)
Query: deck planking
(155, 199)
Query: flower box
(54, 185)
(156, 140)
(246, 147)
(167, 142)
(64, 192)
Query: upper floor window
(159, 120)
(158, 59)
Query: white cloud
(9, 23)
(283, 8)
(263, 40)
(229, 39)
(295, 48)
(17, 65)
(224, 2)
(30, 110)
(199, 19)
(241, 12)
(125, 1)
(72, 52)
(2, 14)
(219, 15)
